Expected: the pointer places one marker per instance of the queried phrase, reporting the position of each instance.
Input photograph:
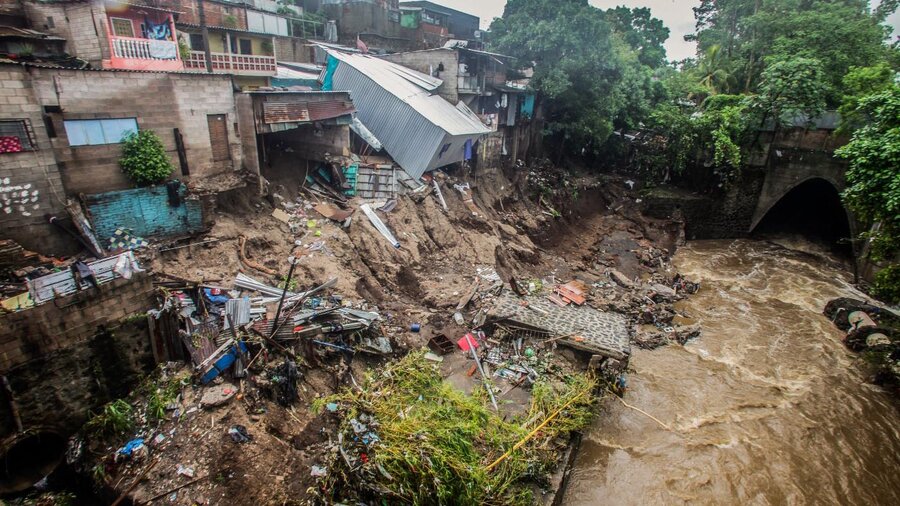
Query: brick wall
(426, 61)
(82, 24)
(30, 183)
(216, 12)
(159, 101)
(293, 49)
(66, 358)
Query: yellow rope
(532, 433)
(641, 411)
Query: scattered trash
(415, 327)
(318, 471)
(184, 471)
(379, 225)
(239, 434)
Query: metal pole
(484, 378)
(287, 282)
(205, 31)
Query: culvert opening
(27, 458)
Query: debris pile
(405, 435)
(872, 331)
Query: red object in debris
(572, 292)
(463, 343)
(363, 457)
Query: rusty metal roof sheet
(285, 112)
(25, 33)
(329, 109)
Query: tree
(713, 72)
(791, 89)
(873, 180)
(642, 32)
(590, 76)
(144, 158)
(859, 83)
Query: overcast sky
(676, 14)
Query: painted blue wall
(146, 211)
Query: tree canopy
(595, 68)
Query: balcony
(143, 54)
(238, 64)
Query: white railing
(233, 63)
(127, 47)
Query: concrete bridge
(803, 182)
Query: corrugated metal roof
(413, 88)
(285, 72)
(419, 130)
(328, 109)
(25, 33)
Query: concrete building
(64, 129)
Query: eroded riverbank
(767, 407)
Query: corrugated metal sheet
(285, 112)
(328, 109)
(413, 125)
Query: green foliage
(791, 88)
(840, 34)
(713, 71)
(590, 73)
(184, 50)
(114, 418)
(230, 21)
(144, 158)
(873, 180)
(716, 132)
(887, 284)
(642, 32)
(435, 441)
(859, 83)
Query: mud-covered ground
(531, 223)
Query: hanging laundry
(155, 31)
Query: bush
(144, 159)
(887, 284)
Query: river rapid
(766, 407)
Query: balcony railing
(144, 49)
(233, 63)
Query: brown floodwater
(766, 407)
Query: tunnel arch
(28, 456)
(812, 208)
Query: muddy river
(766, 407)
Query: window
(122, 27)
(15, 136)
(246, 46)
(92, 132)
(197, 42)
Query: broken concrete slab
(620, 278)
(603, 333)
(218, 395)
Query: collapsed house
(418, 129)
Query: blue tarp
(527, 106)
(330, 67)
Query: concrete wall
(30, 182)
(430, 60)
(61, 363)
(216, 12)
(160, 102)
(293, 49)
(82, 24)
(356, 18)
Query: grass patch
(435, 442)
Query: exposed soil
(577, 228)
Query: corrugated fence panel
(146, 211)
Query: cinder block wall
(30, 183)
(426, 61)
(82, 24)
(70, 356)
(159, 101)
